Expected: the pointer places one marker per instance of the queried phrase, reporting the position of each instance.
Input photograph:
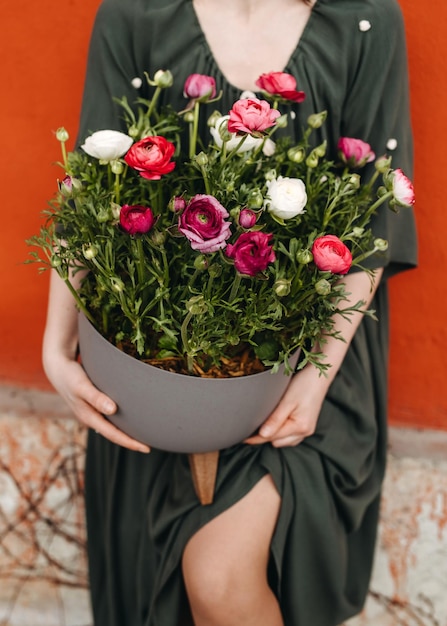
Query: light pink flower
(402, 188)
(203, 223)
(252, 252)
(355, 152)
(200, 87)
(280, 84)
(247, 218)
(251, 115)
(331, 255)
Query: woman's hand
(65, 373)
(296, 415)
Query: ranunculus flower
(203, 223)
(402, 188)
(280, 84)
(107, 145)
(331, 255)
(136, 219)
(355, 152)
(151, 157)
(200, 87)
(252, 252)
(221, 126)
(251, 115)
(247, 218)
(287, 197)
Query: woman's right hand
(67, 375)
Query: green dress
(141, 509)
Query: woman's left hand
(296, 415)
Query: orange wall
(43, 65)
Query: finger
(275, 421)
(291, 441)
(97, 399)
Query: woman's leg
(225, 563)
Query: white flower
(391, 144)
(221, 128)
(136, 82)
(245, 95)
(287, 197)
(364, 25)
(107, 145)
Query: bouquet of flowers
(225, 258)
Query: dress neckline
(307, 28)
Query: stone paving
(43, 580)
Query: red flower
(136, 219)
(251, 115)
(252, 252)
(203, 223)
(200, 87)
(151, 157)
(280, 84)
(355, 152)
(331, 255)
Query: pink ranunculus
(151, 157)
(203, 223)
(177, 204)
(402, 187)
(280, 84)
(252, 252)
(247, 218)
(200, 87)
(136, 219)
(331, 255)
(251, 115)
(355, 152)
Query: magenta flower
(203, 223)
(402, 188)
(252, 252)
(355, 152)
(136, 220)
(280, 84)
(200, 87)
(331, 255)
(251, 115)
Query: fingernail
(266, 431)
(144, 449)
(109, 407)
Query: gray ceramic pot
(174, 412)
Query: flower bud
(133, 131)
(358, 231)
(312, 160)
(383, 164)
(230, 186)
(117, 284)
(354, 181)
(116, 166)
(69, 186)
(281, 121)
(323, 287)
(197, 305)
(320, 150)
(270, 175)
(282, 287)
(214, 118)
(215, 270)
(55, 261)
(247, 218)
(177, 204)
(255, 199)
(158, 237)
(115, 210)
(304, 257)
(189, 117)
(200, 262)
(202, 159)
(62, 135)
(296, 154)
(89, 251)
(316, 120)
(380, 244)
(163, 79)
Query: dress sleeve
(110, 69)
(377, 110)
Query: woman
(290, 536)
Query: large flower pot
(174, 412)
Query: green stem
(195, 130)
(79, 301)
(64, 156)
(153, 102)
(235, 287)
(139, 254)
(117, 188)
(184, 336)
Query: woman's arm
(65, 373)
(296, 415)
